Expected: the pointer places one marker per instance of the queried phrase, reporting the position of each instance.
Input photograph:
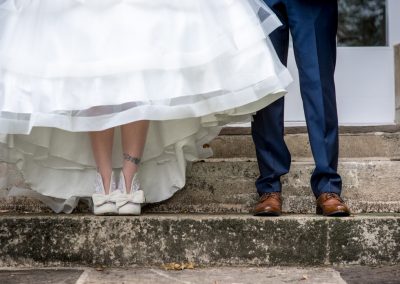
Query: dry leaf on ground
(178, 266)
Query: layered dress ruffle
(72, 66)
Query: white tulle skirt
(72, 66)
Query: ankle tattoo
(131, 159)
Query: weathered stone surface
(21, 205)
(220, 275)
(354, 274)
(227, 186)
(40, 276)
(152, 275)
(359, 241)
(350, 274)
(360, 129)
(53, 240)
(377, 144)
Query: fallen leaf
(178, 266)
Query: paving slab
(371, 275)
(40, 276)
(212, 275)
(219, 275)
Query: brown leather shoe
(330, 204)
(270, 204)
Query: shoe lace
(269, 195)
(334, 196)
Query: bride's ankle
(128, 176)
(129, 169)
(105, 182)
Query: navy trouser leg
(268, 124)
(313, 25)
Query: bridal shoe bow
(100, 199)
(136, 197)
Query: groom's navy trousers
(313, 26)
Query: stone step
(205, 240)
(352, 145)
(227, 186)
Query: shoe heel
(318, 211)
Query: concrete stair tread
(352, 145)
(302, 159)
(205, 239)
(218, 229)
(227, 186)
(369, 165)
(199, 216)
(343, 129)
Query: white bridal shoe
(104, 204)
(129, 203)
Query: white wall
(364, 81)
(393, 26)
(365, 87)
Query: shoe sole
(105, 212)
(267, 214)
(129, 213)
(333, 214)
(131, 210)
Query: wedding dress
(72, 66)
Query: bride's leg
(102, 144)
(133, 140)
